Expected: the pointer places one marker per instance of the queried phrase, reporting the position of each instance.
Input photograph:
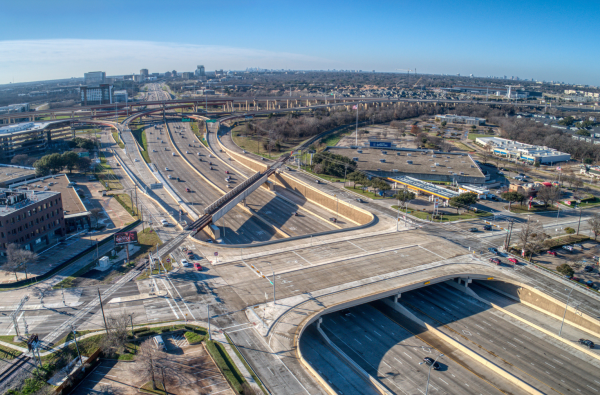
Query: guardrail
(231, 194)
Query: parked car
(226, 171)
(431, 362)
(577, 245)
(493, 250)
(588, 268)
(587, 343)
(568, 248)
(198, 266)
(589, 283)
(189, 253)
(487, 227)
(553, 253)
(359, 200)
(513, 260)
(495, 261)
(188, 190)
(473, 229)
(184, 263)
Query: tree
(511, 197)
(19, 159)
(403, 196)
(116, 337)
(464, 199)
(532, 236)
(96, 214)
(549, 194)
(70, 160)
(355, 177)
(149, 361)
(17, 257)
(565, 270)
(594, 223)
(83, 164)
(444, 123)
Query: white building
(525, 152)
(450, 118)
(120, 96)
(481, 192)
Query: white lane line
(377, 333)
(407, 355)
(556, 360)
(550, 365)
(431, 252)
(398, 361)
(592, 387)
(386, 364)
(512, 344)
(357, 246)
(357, 341)
(368, 338)
(302, 258)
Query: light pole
(131, 319)
(429, 373)
(76, 345)
(565, 313)
(579, 223)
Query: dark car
(495, 260)
(588, 269)
(587, 343)
(472, 229)
(430, 362)
(188, 190)
(493, 250)
(487, 227)
(345, 312)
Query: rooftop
(72, 204)
(23, 127)
(10, 174)
(425, 187)
(11, 200)
(421, 161)
(512, 145)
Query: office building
(31, 219)
(120, 96)
(14, 108)
(23, 138)
(186, 75)
(93, 95)
(524, 152)
(94, 77)
(144, 72)
(200, 72)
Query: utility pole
(102, 308)
(137, 208)
(208, 318)
(76, 344)
(356, 137)
(579, 223)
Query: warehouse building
(525, 152)
(421, 164)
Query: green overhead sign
(186, 120)
(211, 121)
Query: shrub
(569, 230)
(565, 269)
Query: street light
(429, 373)
(565, 313)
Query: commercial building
(460, 119)
(416, 163)
(92, 95)
(120, 96)
(187, 75)
(144, 72)
(526, 152)
(23, 138)
(32, 219)
(422, 187)
(94, 77)
(14, 108)
(481, 192)
(200, 72)
(10, 174)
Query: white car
(166, 169)
(187, 152)
(173, 153)
(136, 160)
(184, 263)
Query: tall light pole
(565, 313)
(579, 223)
(76, 345)
(356, 137)
(429, 373)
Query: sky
(546, 40)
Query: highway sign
(211, 121)
(186, 120)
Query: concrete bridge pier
(396, 297)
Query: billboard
(125, 238)
(380, 144)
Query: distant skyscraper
(200, 72)
(144, 73)
(95, 77)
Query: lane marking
(356, 246)
(302, 258)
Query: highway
(535, 359)
(391, 353)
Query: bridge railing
(231, 194)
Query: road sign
(211, 121)
(216, 254)
(168, 260)
(186, 120)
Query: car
(210, 163)
(334, 220)
(589, 283)
(345, 312)
(208, 240)
(170, 177)
(166, 169)
(173, 154)
(487, 227)
(553, 253)
(211, 168)
(197, 266)
(473, 229)
(184, 263)
(430, 362)
(228, 186)
(359, 200)
(513, 260)
(153, 150)
(493, 250)
(568, 248)
(198, 153)
(587, 343)
(200, 159)
(189, 253)
(317, 181)
(501, 173)
(178, 179)
(210, 155)
(575, 279)
(495, 260)
(295, 214)
(588, 268)
(136, 160)
(577, 245)
(188, 190)
(187, 152)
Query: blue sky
(550, 40)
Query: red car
(495, 260)
(553, 253)
(198, 266)
(226, 171)
(513, 260)
(187, 190)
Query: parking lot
(192, 372)
(578, 259)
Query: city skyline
(54, 42)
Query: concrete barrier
(483, 361)
(356, 367)
(547, 304)
(324, 384)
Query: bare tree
(17, 257)
(532, 236)
(549, 194)
(96, 214)
(116, 338)
(148, 362)
(594, 223)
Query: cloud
(33, 60)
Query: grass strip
(248, 368)
(225, 364)
(193, 337)
(118, 140)
(140, 136)
(371, 195)
(446, 217)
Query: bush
(565, 269)
(193, 338)
(569, 230)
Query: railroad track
(14, 366)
